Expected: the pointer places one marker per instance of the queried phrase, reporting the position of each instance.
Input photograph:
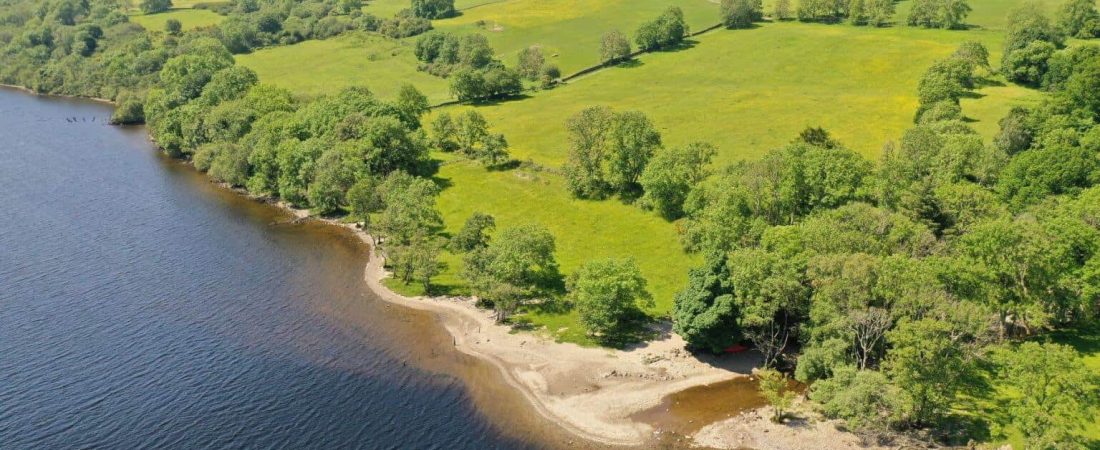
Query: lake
(142, 306)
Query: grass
(584, 230)
(568, 31)
(189, 18)
(363, 59)
(749, 91)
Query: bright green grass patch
(584, 230)
(749, 91)
(568, 31)
(189, 18)
(359, 59)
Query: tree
(433, 9)
(471, 132)
(704, 313)
(880, 13)
(445, 132)
(424, 259)
(609, 295)
(362, 200)
(740, 13)
(1028, 65)
(412, 104)
(1026, 25)
(974, 53)
(173, 27)
(614, 47)
(517, 265)
(667, 30)
(948, 14)
(474, 233)
(770, 295)
(632, 141)
(1015, 134)
(857, 12)
(1079, 18)
(864, 399)
(529, 62)
(775, 387)
(549, 76)
(408, 207)
(584, 170)
(608, 151)
(1055, 393)
(781, 9)
(155, 6)
(929, 367)
(672, 174)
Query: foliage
(1079, 18)
(741, 13)
(864, 399)
(704, 313)
(775, 387)
(517, 265)
(614, 47)
(154, 6)
(608, 295)
(671, 175)
(947, 14)
(469, 134)
(928, 367)
(474, 234)
(668, 30)
(433, 9)
(529, 63)
(408, 208)
(608, 151)
(1055, 393)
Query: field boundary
(587, 70)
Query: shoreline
(27, 90)
(591, 393)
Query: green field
(748, 91)
(360, 59)
(189, 18)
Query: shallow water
(143, 307)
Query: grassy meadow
(746, 91)
(351, 59)
(189, 18)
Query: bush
(614, 47)
(669, 29)
(1029, 64)
(155, 6)
(741, 13)
(433, 9)
(130, 111)
(609, 295)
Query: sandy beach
(591, 392)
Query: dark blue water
(142, 307)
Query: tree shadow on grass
(983, 82)
(972, 94)
(511, 164)
(501, 100)
(628, 64)
(686, 44)
(636, 331)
